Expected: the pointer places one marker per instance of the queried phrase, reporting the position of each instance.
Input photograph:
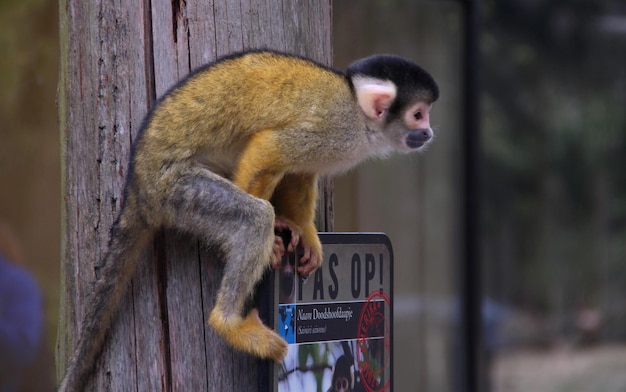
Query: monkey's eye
(418, 115)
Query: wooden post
(117, 57)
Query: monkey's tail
(129, 237)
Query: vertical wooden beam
(117, 57)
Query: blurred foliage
(311, 358)
(554, 122)
(315, 355)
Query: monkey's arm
(260, 167)
(294, 200)
(261, 171)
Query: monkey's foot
(249, 335)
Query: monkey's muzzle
(418, 137)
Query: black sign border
(267, 299)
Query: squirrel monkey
(231, 154)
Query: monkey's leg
(213, 208)
(295, 199)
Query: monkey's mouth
(417, 138)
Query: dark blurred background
(552, 88)
(30, 176)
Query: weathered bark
(116, 58)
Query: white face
(409, 133)
(417, 120)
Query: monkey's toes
(249, 335)
(277, 349)
(264, 342)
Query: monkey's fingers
(278, 251)
(309, 261)
(281, 224)
(295, 240)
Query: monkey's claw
(282, 224)
(309, 262)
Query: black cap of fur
(410, 79)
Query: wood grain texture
(117, 57)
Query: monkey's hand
(312, 247)
(282, 224)
(307, 239)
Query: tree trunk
(117, 57)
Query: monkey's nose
(418, 138)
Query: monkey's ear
(374, 95)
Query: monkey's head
(396, 96)
(343, 375)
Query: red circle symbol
(374, 343)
